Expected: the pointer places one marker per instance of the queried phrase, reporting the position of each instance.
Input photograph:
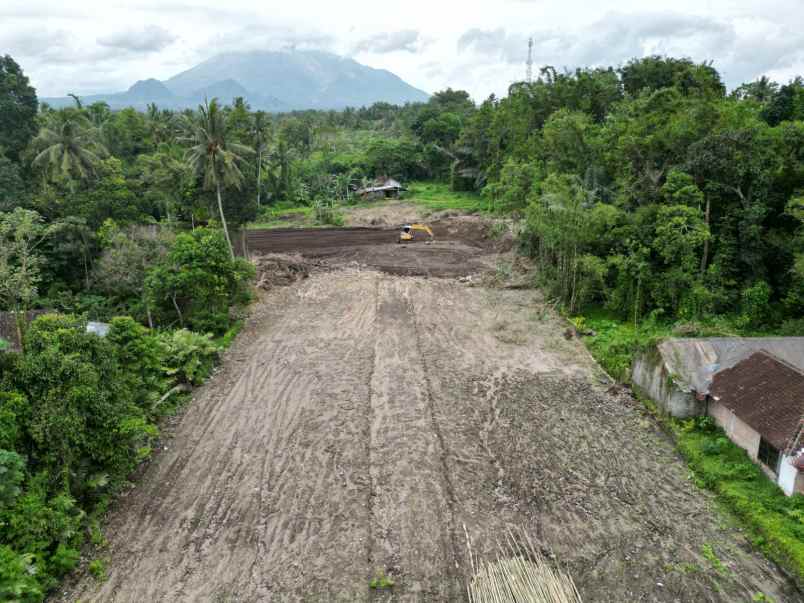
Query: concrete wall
(790, 479)
(737, 430)
(650, 377)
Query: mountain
(271, 81)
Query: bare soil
(365, 423)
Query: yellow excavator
(409, 229)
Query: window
(768, 455)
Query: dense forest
(647, 190)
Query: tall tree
(212, 155)
(18, 106)
(21, 232)
(69, 147)
(260, 137)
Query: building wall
(650, 377)
(738, 431)
(790, 478)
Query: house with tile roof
(759, 403)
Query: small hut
(381, 188)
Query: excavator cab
(408, 231)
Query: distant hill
(271, 81)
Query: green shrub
(140, 354)
(754, 305)
(63, 560)
(18, 577)
(79, 401)
(188, 356)
(12, 472)
(198, 281)
(97, 568)
(326, 213)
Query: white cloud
(147, 39)
(406, 40)
(481, 46)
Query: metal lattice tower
(529, 72)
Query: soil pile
(278, 270)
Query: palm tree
(70, 148)
(212, 156)
(260, 138)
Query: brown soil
(365, 423)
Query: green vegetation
(284, 215)
(97, 568)
(437, 196)
(652, 201)
(101, 222)
(775, 522)
(381, 581)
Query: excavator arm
(408, 229)
(423, 228)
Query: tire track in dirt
(411, 515)
(361, 421)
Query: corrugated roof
(766, 393)
(693, 362)
(382, 184)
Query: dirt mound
(278, 270)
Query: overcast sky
(106, 45)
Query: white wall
(787, 476)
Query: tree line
(651, 191)
(648, 190)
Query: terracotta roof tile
(766, 393)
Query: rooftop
(694, 362)
(765, 392)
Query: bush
(79, 400)
(754, 306)
(140, 354)
(326, 213)
(197, 282)
(188, 357)
(18, 581)
(12, 472)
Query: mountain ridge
(276, 81)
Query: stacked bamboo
(519, 574)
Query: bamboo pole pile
(519, 574)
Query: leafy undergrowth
(437, 196)
(775, 522)
(615, 342)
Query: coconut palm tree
(69, 146)
(210, 154)
(260, 136)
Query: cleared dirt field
(365, 423)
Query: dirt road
(365, 423)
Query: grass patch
(436, 196)
(775, 522)
(380, 581)
(225, 340)
(615, 343)
(97, 568)
(283, 215)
